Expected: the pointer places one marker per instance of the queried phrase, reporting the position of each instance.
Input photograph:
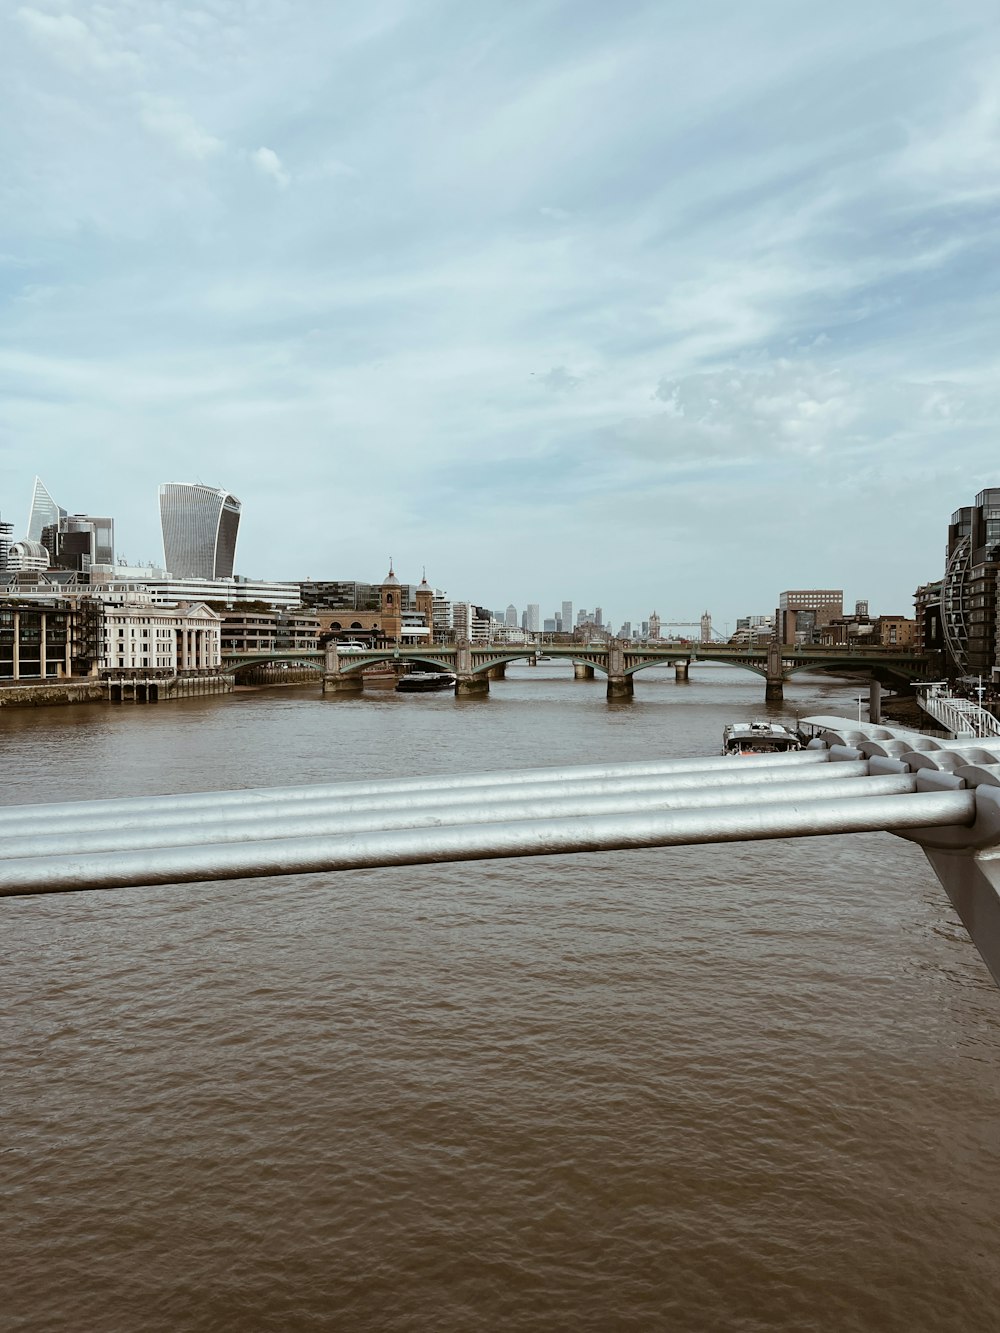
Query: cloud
(559, 380)
(269, 164)
(68, 40)
(492, 284)
(178, 129)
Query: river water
(738, 1087)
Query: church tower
(391, 605)
(425, 605)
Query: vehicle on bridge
(759, 737)
(351, 646)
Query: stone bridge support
(468, 685)
(498, 672)
(583, 671)
(620, 685)
(774, 687)
(681, 672)
(336, 681)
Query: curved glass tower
(200, 524)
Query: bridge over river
(474, 664)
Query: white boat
(759, 737)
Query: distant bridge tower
(654, 626)
(706, 628)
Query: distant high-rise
(200, 525)
(566, 617)
(532, 618)
(510, 616)
(6, 537)
(598, 614)
(44, 511)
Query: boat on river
(421, 682)
(759, 737)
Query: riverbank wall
(44, 694)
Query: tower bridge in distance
(475, 664)
(942, 794)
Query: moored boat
(759, 737)
(420, 682)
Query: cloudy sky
(661, 304)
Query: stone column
(497, 672)
(343, 682)
(583, 671)
(681, 672)
(336, 681)
(620, 687)
(472, 686)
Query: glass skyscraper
(44, 511)
(200, 524)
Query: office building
(532, 618)
(969, 589)
(44, 511)
(81, 542)
(6, 537)
(27, 557)
(802, 613)
(927, 635)
(223, 592)
(510, 616)
(566, 618)
(200, 526)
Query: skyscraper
(532, 618)
(567, 617)
(200, 525)
(6, 537)
(44, 511)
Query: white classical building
(145, 636)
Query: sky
(656, 305)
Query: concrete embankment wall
(54, 692)
(93, 691)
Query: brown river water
(718, 1088)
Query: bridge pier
(681, 672)
(343, 682)
(620, 687)
(582, 671)
(472, 686)
(498, 672)
(774, 688)
(875, 701)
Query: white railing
(960, 717)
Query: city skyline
(666, 343)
